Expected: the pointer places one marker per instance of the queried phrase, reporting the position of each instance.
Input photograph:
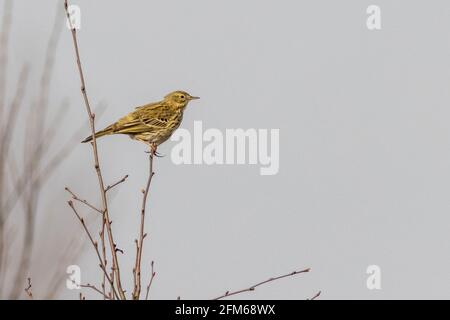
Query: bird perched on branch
(152, 123)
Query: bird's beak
(193, 98)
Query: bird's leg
(153, 148)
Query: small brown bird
(152, 123)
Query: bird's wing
(144, 119)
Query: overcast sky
(364, 152)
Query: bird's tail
(101, 133)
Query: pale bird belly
(158, 136)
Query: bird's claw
(156, 154)
(153, 151)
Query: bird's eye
(182, 97)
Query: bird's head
(180, 98)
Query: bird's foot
(153, 152)
(156, 154)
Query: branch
(94, 243)
(152, 276)
(28, 289)
(105, 261)
(90, 286)
(106, 219)
(109, 187)
(75, 197)
(252, 288)
(142, 235)
(316, 296)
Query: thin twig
(94, 243)
(106, 219)
(252, 288)
(28, 289)
(109, 187)
(111, 292)
(90, 286)
(105, 261)
(142, 235)
(75, 197)
(152, 276)
(316, 296)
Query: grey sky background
(364, 141)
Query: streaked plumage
(152, 123)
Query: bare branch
(142, 235)
(252, 288)
(152, 276)
(94, 243)
(109, 187)
(316, 296)
(28, 289)
(90, 286)
(106, 219)
(75, 197)
(105, 262)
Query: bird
(152, 123)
